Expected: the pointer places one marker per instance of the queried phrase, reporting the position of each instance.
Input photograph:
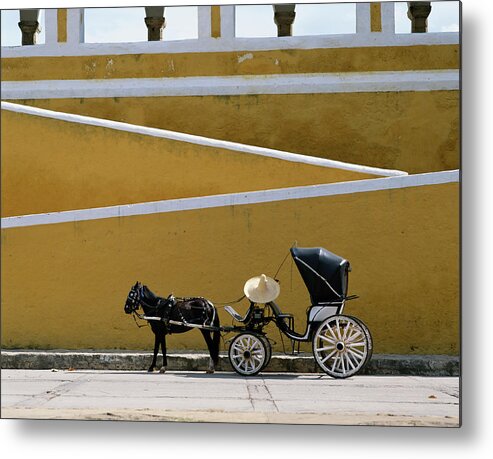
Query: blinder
(133, 301)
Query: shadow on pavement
(197, 374)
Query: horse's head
(133, 299)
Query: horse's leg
(163, 349)
(216, 341)
(156, 349)
(210, 345)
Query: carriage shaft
(183, 324)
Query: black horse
(192, 311)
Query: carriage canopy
(324, 273)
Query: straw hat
(261, 289)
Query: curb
(380, 364)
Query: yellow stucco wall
(411, 131)
(62, 25)
(376, 17)
(416, 131)
(272, 62)
(64, 285)
(65, 165)
(215, 21)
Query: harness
(164, 307)
(207, 321)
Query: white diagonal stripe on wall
(234, 199)
(197, 140)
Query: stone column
(284, 17)
(29, 26)
(155, 22)
(418, 13)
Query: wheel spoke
(328, 357)
(339, 364)
(354, 336)
(342, 364)
(332, 333)
(350, 362)
(356, 350)
(335, 362)
(346, 329)
(326, 338)
(357, 353)
(338, 329)
(323, 349)
(357, 344)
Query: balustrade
(155, 22)
(66, 26)
(418, 13)
(29, 26)
(284, 16)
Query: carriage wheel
(248, 353)
(368, 336)
(341, 346)
(268, 350)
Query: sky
(104, 25)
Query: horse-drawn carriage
(342, 344)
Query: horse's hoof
(162, 370)
(209, 371)
(150, 370)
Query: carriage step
(234, 314)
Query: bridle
(135, 299)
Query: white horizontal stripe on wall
(203, 45)
(234, 199)
(197, 140)
(318, 83)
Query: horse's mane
(149, 296)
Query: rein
(230, 302)
(134, 313)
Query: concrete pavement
(227, 397)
